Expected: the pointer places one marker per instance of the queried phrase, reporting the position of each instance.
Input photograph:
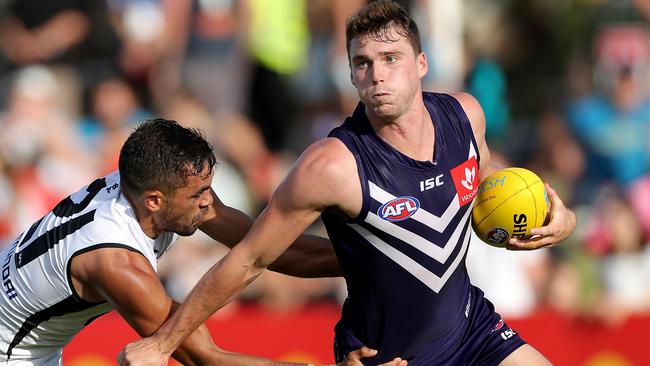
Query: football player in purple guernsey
(394, 185)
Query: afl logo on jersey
(398, 209)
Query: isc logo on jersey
(466, 180)
(398, 209)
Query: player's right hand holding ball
(561, 223)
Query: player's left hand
(354, 358)
(561, 224)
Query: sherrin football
(508, 204)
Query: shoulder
(323, 175)
(471, 106)
(105, 265)
(327, 157)
(474, 113)
(96, 272)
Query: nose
(207, 199)
(377, 73)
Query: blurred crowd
(564, 86)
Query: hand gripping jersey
(39, 309)
(403, 257)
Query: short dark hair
(160, 154)
(375, 20)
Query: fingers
(552, 194)
(556, 202)
(360, 353)
(355, 356)
(561, 223)
(542, 231)
(367, 352)
(534, 242)
(395, 362)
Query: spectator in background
(152, 37)
(615, 238)
(38, 140)
(37, 31)
(174, 50)
(278, 37)
(68, 33)
(115, 110)
(612, 124)
(215, 72)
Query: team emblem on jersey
(466, 180)
(398, 209)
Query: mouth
(381, 96)
(198, 220)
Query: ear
(422, 64)
(354, 83)
(153, 200)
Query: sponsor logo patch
(498, 326)
(466, 180)
(398, 209)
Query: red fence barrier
(306, 336)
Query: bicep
(288, 214)
(134, 290)
(130, 284)
(314, 183)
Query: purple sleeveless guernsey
(403, 257)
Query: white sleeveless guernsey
(39, 309)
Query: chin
(188, 232)
(386, 112)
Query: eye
(361, 64)
(391, 58)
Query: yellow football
(508, 204)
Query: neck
(411, 133)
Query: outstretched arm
(562, 221)
(127, 281)
(309, 256)
(321, 178)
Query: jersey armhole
(363, 213)
(86, 250)
(465, 123)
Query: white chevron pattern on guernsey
(438, 223)
(421, 215)
(425, 246)
(472, 151)
(427, 277)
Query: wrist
(163, 342)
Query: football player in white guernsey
(387, 67)
(97, 250)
